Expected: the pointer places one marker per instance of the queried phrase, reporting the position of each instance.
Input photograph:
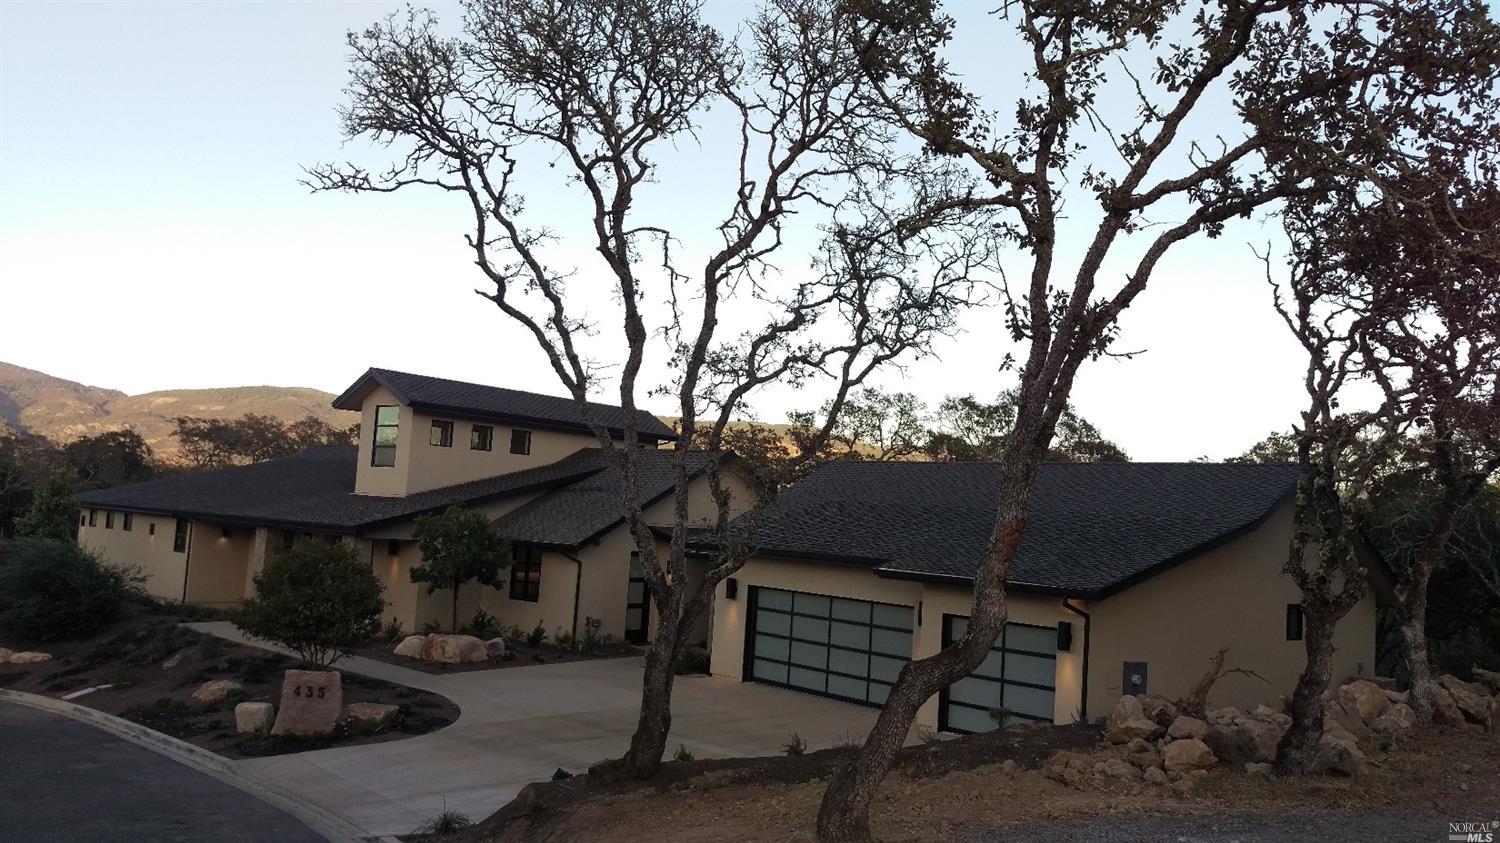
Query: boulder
(254, 717)
(1364, 699)
(1261, 768)
(495, 648)
(1158, 710)
(1267, 714)
(1128, 708)
(411, 646)
(1445, 712)
(1385, 683)
(312, 701)
(1488, 678)
(1339, 754)
(1186, 755)
(1473, 701)
(1223, 716)
(1156, 776)
(28, 657)
(1395, 722)
(1140, 753)
(1131, 730)
(1246, 740)
(217, 690)
(5, 655)
(1116, 768)
(453, 649)
(1069, 768)
(1398, 696)
(371, 715)
(1349, 721)
(174, 660)
(1187, 727)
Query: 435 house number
(308, 691)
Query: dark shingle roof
(315, 489)
(1093, 528)
(577, 513)
(477, 400)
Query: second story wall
(385, 480)
(465, 457)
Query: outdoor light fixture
(226, 532)
(393, 547)
(731, 588)
(1064, 636)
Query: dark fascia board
(959, 580)
(345, 398)
(220, 518)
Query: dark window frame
(440, 435)
(180, 535)
(526, 574)
(126, 521)
(93, 516)
(109, 519)
(1294, 622)
(488, 439)
(376, 449)
(522, 438)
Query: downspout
(1083, 706)
(577, 587)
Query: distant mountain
(63, 410)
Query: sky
(154, 235)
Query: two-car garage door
(849, 649)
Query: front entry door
(636, 603)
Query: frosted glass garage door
(849, 649)
(1019, 675)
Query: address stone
(311, 702)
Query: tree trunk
(649, 743)
(1413, 619)
(455, 610)
(1299, 746)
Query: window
(180, 538)
(387, 422)
(520, 441)
(442, 433)
(526, 574)
(125, 519)
(83, 520)
(109, 519)
(93, 517)
(1294, 622)
(481, 438)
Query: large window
(526, 574)
(520, 441)
(442, 433)
(126, 521)
(481, 438)
(387, 422)
(180, 538)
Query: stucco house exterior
(527, 461)
(1130, 576)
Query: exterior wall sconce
(393, 547)
(1064, 636)
(226, 532)
(731, 589)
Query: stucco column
(260, 550)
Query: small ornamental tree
(457, 546)
(52, 513)
(317, 600)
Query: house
(1128, 579)
(527, 461)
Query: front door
(636, 604)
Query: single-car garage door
(848, 649)
(1019, 675)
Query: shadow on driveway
(65, 781)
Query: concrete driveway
(518, 725)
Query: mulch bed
(129, 655)
(526, 656)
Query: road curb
(331, 826)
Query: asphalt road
(1321, 826)
(61, 780)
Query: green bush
(317, 600)
(692, 660)
(483, 626)
(795, 746)
(537, 635)
(51, 589)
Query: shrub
(795, 746)
(682, 753)
(392, 630)
(444, 823)
(537, 635)
(51, 589)
(483, 626)
(692, 660)
(565, 640)
(431, 626)
(590, 643)
(1001, 716)
(513, 634)
(317, 600)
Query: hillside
(64, 410)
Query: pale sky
(153, 235)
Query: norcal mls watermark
(1473, 832)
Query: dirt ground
(960, 790)
(131, 655)
(525, 657)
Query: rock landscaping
(440, 652)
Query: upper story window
(109, 519)
(481, 438)
(93, 517)
(125, 521)
(387, 422)
(520, 441)
(180, 538)
(442, 433)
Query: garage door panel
(849, 649)
(965, 719)
(1019, 674)
(972, 690)
(1031, 639)
(1030, 669)
(1032, 703)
